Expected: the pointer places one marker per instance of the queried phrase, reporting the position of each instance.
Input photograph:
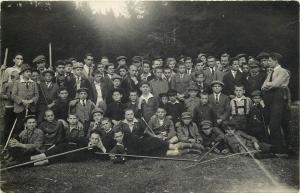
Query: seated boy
(147, 102)
(162, 126)
(74, 130)
(240, 107)
(28, 142)
(83, 108)
(61, 105)
(53, 129)
(127, 143)
(193, 100)
(212, 135)
(115, 110)
(133, 103)
(132, 125)
(97, 115)
(256, 125)
(188, 132)
(203, 111)
(240, 142)
(174, 108)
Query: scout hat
(48, 71)
(186, 115)
(24, 68)
(206, 124)
(38, 59)
(193, 87)
(262, 55)
(82, 90)
(217, 82)
(29, 117)
(97, 110)
(121, 58)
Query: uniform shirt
(240, 106)
(99, 92)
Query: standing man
(121, 60)
(219, 74)
(39, 63)
(130, 82)
(18, 60)
(188, 65)
(210, 71)
(275, 90)
(88, 66)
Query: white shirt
(83, 102)
(146, 98)
(99, 92)
(233, 73)
(217, 97)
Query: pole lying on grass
(45, 158)
(202, 157)
(9, 136)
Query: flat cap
(230, 123)
(193, 87)
(186, 115)
(276, 55)
(217, 82)
(201, 54)
(121, 58)
(38, 59)
(253, 64)
(241, 55)
(97, 110)
(136, 59)
(78, 65)
(59, 63)
(82, 90)
(172, 92)
(262, 55)
(29, 117)
(256, 93)
(206, 124)
(24, 68)
(163, 95)
(48, 71)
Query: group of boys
(161, 107)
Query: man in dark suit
(99, 90)
(233, 77)
(130, 82)
(76, 81)
(219, 102)
(210, 71)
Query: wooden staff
(202, 157)
(148, 127)
(50, 56)
(2, 71)
(45, 158)
(149, 157)
(9, 136)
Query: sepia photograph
(116, 96)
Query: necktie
(83, 103)
(212, 71)
(90, 72)
(271, 76)
(217, 99)
(27, 84)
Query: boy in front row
(83, 108)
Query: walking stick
(202, 157)
(148, 127)
(9, 136)
(50, 56)
(45, 158)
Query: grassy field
(238, 174)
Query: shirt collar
(276, 68)
(239, 99)
(146, 98)
(174, 102)
(134, 121)
(23, 80)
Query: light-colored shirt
(280, 78)
(240, 106)
(99, 92)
